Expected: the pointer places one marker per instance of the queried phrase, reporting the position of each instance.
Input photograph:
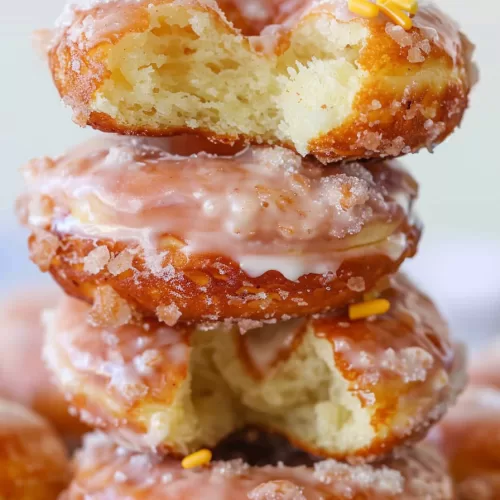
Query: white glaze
(265, 208)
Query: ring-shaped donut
(338, 388)
(144, 226)
(310, 76)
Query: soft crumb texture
(469, 437)
(316, 79)
(103, 470)
(349, 390)
(33, 460)
(185, 230)
(23, 375)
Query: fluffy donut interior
(304, 397)
(191, 69)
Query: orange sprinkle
(395, 13)
(197, 459)
(363, 8)
(366, 309)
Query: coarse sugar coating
(311, 76)
(105, 471)
(167, 228)
(344, 389)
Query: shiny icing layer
(265, 208)
(401, 366)
(104, 471)
(408, 343)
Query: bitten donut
(143, 226)
(23, 375)
(107, 472)
(33, 461)
(338, 388)
(469, 437)
(308, 75)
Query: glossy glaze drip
(266, 208)
(130, 358)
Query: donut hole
(191, 68)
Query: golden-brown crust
(421, 114)
(23, 375)
(33, 461)
(281, 237)
(233, 294)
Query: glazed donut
(310, 76)
(23, 375)
(33, 461)
(105, 471)
(341, 389)
(469, 436)
(135, 227)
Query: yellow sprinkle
(410, 6)
(366, 309)
(363, 8)
(197, 459)
(391, 10)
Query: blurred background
(460, 201)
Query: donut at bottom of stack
(104, 471)
(23, 375)
(337, 388)
(33, 460)
(166, 229)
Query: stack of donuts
(235, 324)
